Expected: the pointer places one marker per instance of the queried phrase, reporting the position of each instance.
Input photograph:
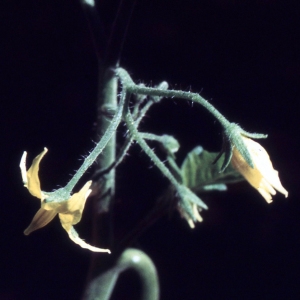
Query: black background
(243, 56)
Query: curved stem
(101, 288)
(133, 88)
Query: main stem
(103, 187)
(106, 135)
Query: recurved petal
(31, 178)
(73, 235)
(41, 219)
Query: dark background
(243, 56)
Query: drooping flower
(262, 176)
(69, 210)
(190, 205)
(191, 219)
(233, 138)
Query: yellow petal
(76, 203)
(66, 221)
(253, 176)
(263, 177)
(70, 211)
(31, 178)
(267, 196)
(196, 213)
(22, 166)
(41, 219)
(73, 235)
(185, 216)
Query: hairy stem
(136, 89)
(111, 129)
(135, 134)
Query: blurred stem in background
(104, 271)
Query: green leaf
(200, 174)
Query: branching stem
(136, 89)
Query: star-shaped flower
(262, 176)
(69, 210)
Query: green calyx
(233, 137)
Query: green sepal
(188, 196)
(186, 199)
(233, 137)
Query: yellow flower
(69, 210)
(263, 177)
